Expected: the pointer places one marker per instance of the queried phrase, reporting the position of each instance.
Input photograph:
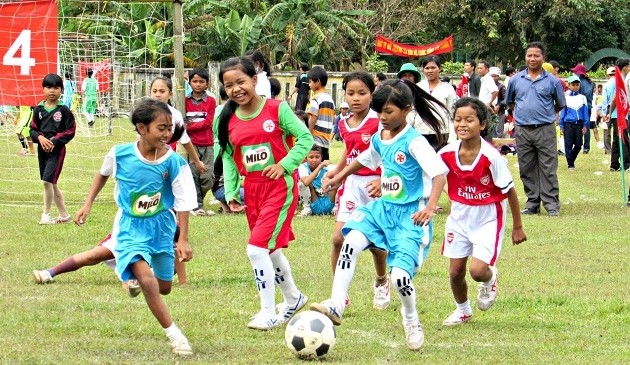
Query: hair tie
(402, 81)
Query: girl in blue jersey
(152, 181)
(412, 179)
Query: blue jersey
(409, 165)
(146, 188)
(305, 170)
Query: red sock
(67, 265)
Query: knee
(456, 274)
(479, 274)
(337, 240)
(400, 279)
(165, 287)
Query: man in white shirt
(488, 90)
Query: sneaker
(182, 347)
(328, 308)
(285, 311)
(553, 213)
(199, 212)
(585, 152)
(414, 334)
(600, 145)
(133, 288)
(263, 321)
(61, 220)
(529, 211)
(488, 292)
(381, 295)
(46, 219)
(306, 211)
(210, 212)
(457, 317)
(42, 277)
(23, 152)
(571, 168)
(91, 123)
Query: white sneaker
(285, 311)
(328, 308)
(382, 295)
(42, 277)
(457, 317)
(414, 334)
(600, 145)
(182, 347)
(488, 292)
(46, 219)
(264, 321)
(306, 211)
(133, 288)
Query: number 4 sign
(28, 47)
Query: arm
(313, 112)
(97, 185)
(424, 216)
(65, 136)
(518, 233)
(308, 179)
(559, 98)
(584, 117)
(190, 150)
(292, 125)
(231, 182)
(207, 122)
(184, 252)
(563, 114)
(336, 181)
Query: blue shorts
(389, 227)
(322, 205)
(149, 239)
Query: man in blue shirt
(610, 116)
(536, 97)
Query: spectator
(611, 118)
(474, 81)
(301, 88)
(586, 89)
(378, 78)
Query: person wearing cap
(610, 117)
(610, 72)
(574, 121)
(499, 103)
(488, 90)
(586, 89)
(535, 96)
(344, 112)
(408, 71)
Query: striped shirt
(323, 107)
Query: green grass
(562, 294)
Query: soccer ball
(310, 335)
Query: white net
(125, 45)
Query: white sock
(406, 293)
(305, 194)
(284, 279)
(173, 332)
(264, 277)
(353, 244)
(494, 276)
(464, 307)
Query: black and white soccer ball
(310, 335)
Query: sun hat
(579, 70)
(547, 67)
(411, 68)
(495, 71)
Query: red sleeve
(207, 122)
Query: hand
(584, 130)
(80, 217)
(330, 174)
(184, 252)
(236, 207)
(274, 172)
(607, 118)
(324, 163)
(374, 188)
(200, 167)
(423, 217)
(46, 144)
(331, 184)
(518, 236)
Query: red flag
(621, 102)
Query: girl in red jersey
(256, 141)
(478, 184)
(356, 131)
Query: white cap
(495, 71)
(610, 71)
(344, 105)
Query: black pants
(615, 156)
(572, 141)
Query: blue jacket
(576, 110)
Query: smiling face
(157, 133)
(393, 118)
(467, 124)
(240, 87)
(160, 91)
(431, 71)
(358, 96)
(534, 58)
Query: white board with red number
(28, 50)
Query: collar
(204, 97)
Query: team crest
(268, 126)
(400, 158)
(450, 236)
(350, 205)
(485, 180)
(365, 137)
(57, 116)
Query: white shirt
(263, 86)
(487, 88)
(445, 93)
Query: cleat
(46, 219)
(414, 335)
(133, 288)
(263, 321)
(328, 308)
(488, 292)
(285, 311)
(382, 295)
(306, 211)
(42, 277)
(181, 347)
(457, 317)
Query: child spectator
(68, 90)
(263, 72)
(89, 90)
(322, 110)
(302, 88)
(24, 118)
(344, 110)
(255, 137)
(200, 109)
(311, 173)
(378, 78)
(574, 121)
(479, 182)
(152, 181)
(276, 88)
(52, 128)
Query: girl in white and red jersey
(478, 184)
(256, 141)
(356, 131)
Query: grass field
(561, 293)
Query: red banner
(101, 72)
(28, 47)
(621, 102)
(388, 46)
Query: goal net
(124, 44)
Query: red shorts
(270, 208)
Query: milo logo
(256, 158)
(393, 187)
(145, 205)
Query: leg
(487, 275)
(87, 258)
(207, 178)
(306, 197)
(180, 270)
(528, 170)
(457, 275)
(615, 163)
(607, 142)
(407, 294)
(49, 194)
(59, 202)
(587, 141)
(382, 283)
(151, 290)
(547, 169)
(337, 242)
(264, 277)
(294, 300)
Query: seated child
(314, 199)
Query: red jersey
(487, 180)
(358, 139)
(199, 117)
(259, 142)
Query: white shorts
(353, 194)
(109, 242)
(475, 231)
